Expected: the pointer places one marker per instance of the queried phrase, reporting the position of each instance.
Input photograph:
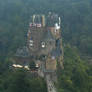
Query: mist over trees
(76, 30)
(76, 21)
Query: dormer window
(43, 44)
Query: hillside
(76, 22)
(76, 30)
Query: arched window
(43, 44)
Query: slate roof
(22, 52)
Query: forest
(76, 30)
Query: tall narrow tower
(33, 18)
(59, 21)
(43, 20)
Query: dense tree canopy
(76, 22)
(76, 30)
(21, 81)
(76, 75)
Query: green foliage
(21, 81)
(76, 30)
(15, 15)
(76, 76)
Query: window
(43, 44)
(31, 43)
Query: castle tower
(43, 20)
(33, 18)
(59, 21)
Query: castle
(43, 42)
